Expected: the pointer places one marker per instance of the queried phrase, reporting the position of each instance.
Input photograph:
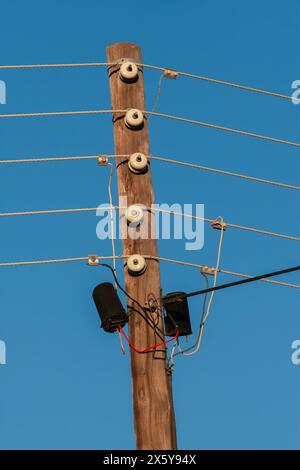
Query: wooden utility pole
(154, 419)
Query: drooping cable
(149, 348)
(155, 67)
(163, 115)
(156, 158)
(224, 128)
(191, 351)
(154, 209)
(237, 283)
(111, 217)
(13, 264)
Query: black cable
(231, 284)
(120, 287)
(143, 309)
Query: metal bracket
(210, 270)
(93, 260)
(168, 73)
(219, 225)
(103, 160)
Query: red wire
(150, 347)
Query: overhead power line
(232, 284)
(150, 257)
(225, 172)
(223, 128)
(49, 66)
(222, 82)
(60, 113)
(240, 227)
(154, 209)
(50, 159)
(156, 158)
(155, 67)
(223, 271)
(152, 113)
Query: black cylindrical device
(109, 306)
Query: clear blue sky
(66, 384)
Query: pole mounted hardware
(134, 119)
(177, 316)
(136, 265)
(168, 73)
(102, 160)
(129, 72)
(210, 270)
(134, 215)
(138, 163)
(219, 225)
(93, 260)
(110, 309)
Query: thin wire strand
(215, 276)
(226, 129)
(121, 341)
(222, 82)
(154, 209)
(149, 348)
(122, 257)
(52, 211)
(112, 227)
(225, 172)
(199, 338)
(63, 113)
(231, 273)
(167, 116)
(159, 88)
(50, 159)
(195, 348)
(240, 227)
(156, 158)
(49, 66)
(154, 67)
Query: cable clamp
(103, 160)
(210, 270)
(168, 73)
(219, 224)
(93, 260)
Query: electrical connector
(168, 73)
(209, 270)
(102, 160)
(219, 225)
(93, 260)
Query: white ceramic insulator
(134, 215)
(134, 119)
(128, 72)
(136, 265)
(138, 162)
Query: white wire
(157, 258)
(157, 158)
(215, 274)
(112, 228)
(200, 334)
(154, 209)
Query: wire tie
(93, 260)
(169, 73)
